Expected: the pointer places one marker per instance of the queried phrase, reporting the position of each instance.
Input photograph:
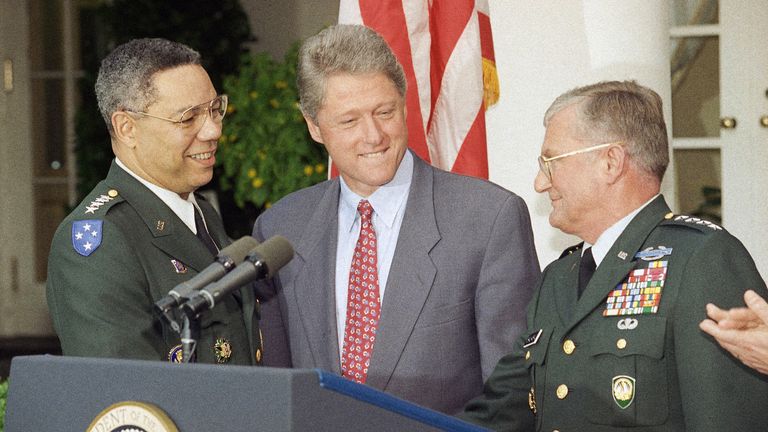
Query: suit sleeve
(276, 347)
(100, 304)
(508, 276)
(717, 392)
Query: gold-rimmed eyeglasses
(544, 161)
(193, 118)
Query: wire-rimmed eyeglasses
(193, 118)
(544, 161)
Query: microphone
(225, 261)
(263, 262)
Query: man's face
(174, 156)
(574, 188)
(362, 125)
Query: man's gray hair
(125, 76)
(621, 111)
(352, 49)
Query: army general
(613, 341)
(143, 230)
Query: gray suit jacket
(463, 272)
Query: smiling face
(170, 155)
(362, 125)
(575, 189)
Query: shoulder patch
(571, 250)
(692, 222)
(99, 202)
(86, 236)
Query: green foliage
(3, 396)
(217, 29)
(265, 151)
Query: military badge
(175, 355)
(639, 293)
(179, 266)
(623, 390)
(100, 201)
(627, 324)
(223, 350)
(651, 254)
(86, 236)
(532, 339)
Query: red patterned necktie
(363, 306)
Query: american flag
(446, 49)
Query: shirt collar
(608, 237)
(386, 200)
(181, 207)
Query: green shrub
(265, 151)
(3, 396)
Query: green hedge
(3, 395)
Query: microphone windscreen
(238, 250)
(274, 253)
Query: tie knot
(365, 209)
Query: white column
(546, 47)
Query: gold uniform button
(258, 355)
(112, 193)
(569, 347)
(621, 343)
(527, 355)
(669, 215)
(562, 391)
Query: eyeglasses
(193, 118)
(544, 161)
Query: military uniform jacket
(611, 362)
(101, 303)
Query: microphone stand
(190, 333)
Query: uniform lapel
(170, 234)
(564, 292)
(410, 277)
(314, 285)
(613, 269)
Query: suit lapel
(410, 277)
(565, 294)
(315, 257)
(170, 234)
(613, 269)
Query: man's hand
(742, 331)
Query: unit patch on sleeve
(86, 236)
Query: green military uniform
(611, 362)
(103, 283)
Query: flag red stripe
(486, 37)
(388, 19)
(473, 156)
(447, 20)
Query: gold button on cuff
(621, 343)
(562, 391)
(527, 355)
(669, 215)
(112, 193)
(258, 355)
(569, 347)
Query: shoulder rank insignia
(86, 236)
(623, 390)
(697, 221)
(639, 292)
(223, 350)
(100, 201)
